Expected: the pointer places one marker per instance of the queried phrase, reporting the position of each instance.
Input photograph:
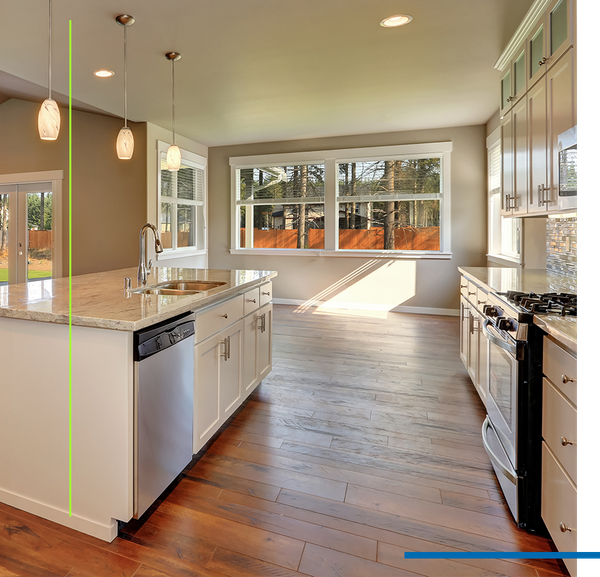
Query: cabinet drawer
(482, 299)
(250, 301)
(558, 363)
(266, 293)
(464, 286)
(559, 421)
(472, 293)
(215, 319)
(559, 502)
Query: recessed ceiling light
(394, 21)
(104, 73)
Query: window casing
(182, 205)
(393, 200)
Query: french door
(29, 243)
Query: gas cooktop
(563, 304)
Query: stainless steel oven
(511, 432)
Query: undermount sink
(179, 288)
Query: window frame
(495, 221)
(201, 228)
(331, 159)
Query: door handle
(493, 458)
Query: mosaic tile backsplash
(561, 245)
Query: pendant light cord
(173, 100)
(49, 48)
(125, 72)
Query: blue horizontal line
(504, 555)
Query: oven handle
(505, 471)
(512, 349)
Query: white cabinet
(559, 448)
(473, 343)
(534, 115)
(230, 363)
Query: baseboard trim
(368, 307)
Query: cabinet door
(249, 367)
(482, 361)
(230, 377)
(507, 138)
(521, 164)
(465, 316)
(537, 52)
(560, 29)
(506, 92)
(536, 118)
(519, 76)
(207, 360)
(265, 337)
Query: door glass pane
(558, 25)
(501, 378)
(505, 87)
(520, 72)
(4, 222)
(39, 232)
(537, 51)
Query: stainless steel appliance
(567, 169)
(163, 401)
(512, 433)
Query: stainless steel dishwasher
(163, 401)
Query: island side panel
(34, 424)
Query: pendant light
(49, 115)
(125, 137)
(173, 154)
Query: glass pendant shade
(125, 143)
(173, 157)
(49, 120)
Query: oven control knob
(505, 324)
(490, 311)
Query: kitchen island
(67, 446)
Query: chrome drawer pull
(566, 379)
(470, 293)
(252, 301)
(267, 293)
(564, 528)
(564, 441)
(225, 316)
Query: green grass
(32, 274)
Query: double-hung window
(182, 205)
(392, 199)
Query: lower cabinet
(228, 365)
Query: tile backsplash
(561, 245)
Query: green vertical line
(70, 268)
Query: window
(393, 199)
(182, 206)
(504, 239)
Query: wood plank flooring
(363, 443)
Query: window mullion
(331, 220)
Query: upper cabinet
(538, 103)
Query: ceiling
(265, 70)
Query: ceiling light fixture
(104, 73)
(395, 21)
(125, 138)
(49, 115)
(173, 154)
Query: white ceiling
(264, 70)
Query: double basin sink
(179, 288)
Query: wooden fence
(407, 238)
(40, 239)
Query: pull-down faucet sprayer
(143, 268)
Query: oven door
(501, 401)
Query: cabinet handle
(564, 441)
(541, 63)
(224, 343)
(470, 293)
(564, 528)
(225, 316)
(267, 293)
(566, 379)
(509, 99)
(228, 348)
(480, 302)
(252, 301)
(263, 326)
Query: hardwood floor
(363, 443)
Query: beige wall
(109, 195)
(384, 283)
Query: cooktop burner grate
(564, 304)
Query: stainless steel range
(512, 431)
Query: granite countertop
(497, 279)
(100, 301)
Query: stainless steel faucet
(158, 247)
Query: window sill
(165, 255)
(504, 260)
(383, 254)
